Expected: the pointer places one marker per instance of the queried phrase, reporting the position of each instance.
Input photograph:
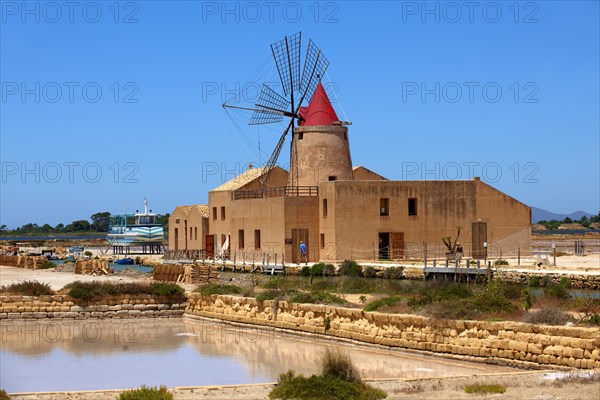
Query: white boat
(135, 230)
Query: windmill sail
(286, 53)
(269, 107)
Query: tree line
(99, 222)
(583, 221)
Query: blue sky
(105, 103)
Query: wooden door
(397, 244)
(210, 246)
(298, 235)
(478, 237)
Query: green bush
(305, 271)
(215, 288)
(393, 272)
(270, 294)
(351, 268)
(479, 388)
(28, 288)
(46, 265)
(535, 281)
(329, 270)
(146, 393)
(95, 289)
(339, 380)
(556, 290)
(384, 302)
(293, 387)
(166, 289)
(564, 281)
(138, 260)
(500, 262)
(317, 269)
(319, 297)
(369, 272)
(4, 395)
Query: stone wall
(504, 342)
(578, 281)
(58, 306)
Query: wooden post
(434, 263)
(446, 263)
(519, 255)
(425, 251)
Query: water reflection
(85, 355)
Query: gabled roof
(248, 176)
(201, 208)
(361, 173)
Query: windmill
(273, 107)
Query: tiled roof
(241, 180)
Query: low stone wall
(57, 306)
(505, 342)
(578, 281)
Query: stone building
(343, 212)
(188, 227)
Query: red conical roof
(319, 110)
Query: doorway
(384, 245)
(299, 235)
(478, 238)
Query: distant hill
(539, 214)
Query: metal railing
(281, 191)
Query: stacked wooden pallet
(93, 267)
(188, 273)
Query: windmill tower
(319, 147)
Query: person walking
(303, 252)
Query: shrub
(95, 289)
(270, 294)
(527, 299)
(305, 271)
(478, 388)
(384, 302)
(46, 265)
(564, 281)
(329, 270)
(320, 297)
(351, 268)
(146, 393)
(556, 290)
(4, 395)
(393, 272)
(88, 253)
(317, 269)
(535, 281)
(337, 364)
(548, 316)
(500, 262)
(166, 289)
(28, 288)
(138, 260)
(215, 288)
(369, 272)
(322, 387)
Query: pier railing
(282, 191)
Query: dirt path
(520, 385)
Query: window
(412, 206)
(241, 239)
(191, 234)
(324, 208)
(222, 213)
(177, 221)
(384, 207)
(196, 233)
(257, 239)
(322, 240)
(301, 136)
(214, 213)
(332, 178)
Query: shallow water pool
(115, 354)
